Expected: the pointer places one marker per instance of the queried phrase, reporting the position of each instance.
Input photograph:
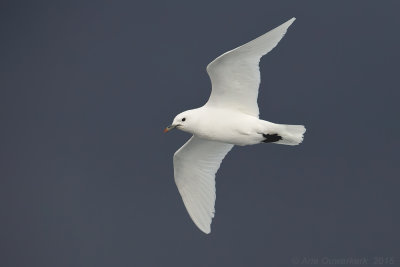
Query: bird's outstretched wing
(235, 75)
(195, 165)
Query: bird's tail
(291, 135)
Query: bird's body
(234, 127)
(230, 117)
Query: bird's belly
(232, 133)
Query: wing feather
(235, 75)
(195, 166)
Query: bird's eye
(183, 119)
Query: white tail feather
(292, 135)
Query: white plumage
(230, 117)
(235, 75)
(195, 165)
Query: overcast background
(86, 175)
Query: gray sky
(86, 174)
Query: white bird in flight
(230, 117)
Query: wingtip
(287, 23)
(204, 229)
(290, 21)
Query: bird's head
(184, 121)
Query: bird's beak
(169, 128)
